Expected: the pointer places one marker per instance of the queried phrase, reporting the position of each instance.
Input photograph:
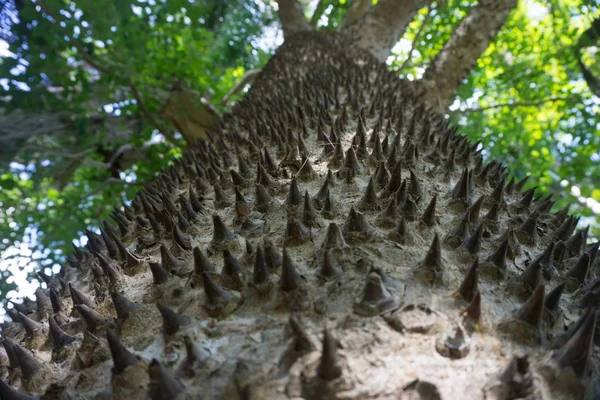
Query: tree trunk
(453, 64)
(358, 248)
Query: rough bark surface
(459, 55)
(292, 17)
(383, 25)
(333, 239)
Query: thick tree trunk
(358, 248)
(383, 25)
(453, 64)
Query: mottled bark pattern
(332, 239)
(459, 55)
(383, 25)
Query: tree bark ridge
(459, 55)
(383, 25)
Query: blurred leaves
(67, 105)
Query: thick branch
(381, 28)
(291, 17)
(459, 55)
(319, 10)
(357, 9)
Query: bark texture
(383, 25)
(458, 57)
(333, 239)
(292, 17)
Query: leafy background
(86, 78)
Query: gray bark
(356, 10)
(291, 17)
(459, 55)
(383, 25)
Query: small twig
(416, 39)
(517, 104)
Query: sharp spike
(429, 217)
(290, 279)
(122, 305)
(57, 303)
(262, 199)
(577, 350)
(474, 308)
(376, 298)
(473, 243)
(328, 368)
(261, 273)
(309, 214)
(527, 232)
(499, 256)
(221, 234)
(580, 270)
(78, 297)
(162, 385)
(216, 296)
(122, 358)
(182, 239)
(552, 300)
(433, 258)
(356, 223)
(27, 362)
(468, 288)
(294, 196)
(159, 274)
(531, 310)
(29, 324)
(328, 270)
(202, 263)
(461, 190)
(8, 393)
(9, 346)
(172, 322)
(92, 318)
(414, 187)
(59, 337)
(295, 232)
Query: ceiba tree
(333, 237)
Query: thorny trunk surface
(333, 239)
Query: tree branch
(247, 79)
(51, 152)
(382, 26)
(517, 104)
(357, 9)
(169, 134)
(110, 181)
(291, 17)
(416, 39)
(319, 10)
(460, 53)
